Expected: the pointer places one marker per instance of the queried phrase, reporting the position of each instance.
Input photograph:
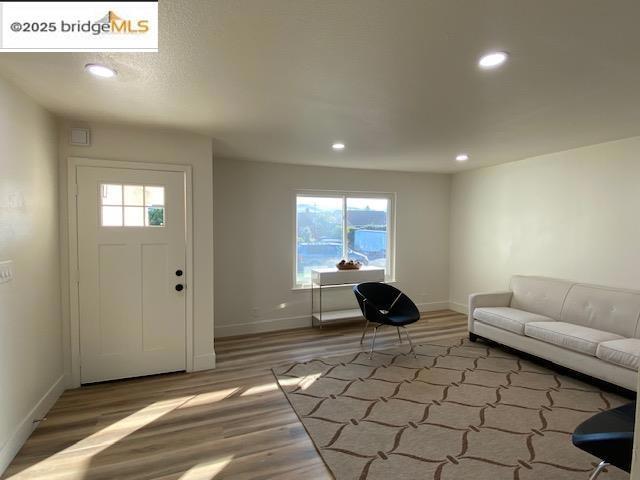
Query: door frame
(74, 291)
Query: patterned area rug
(459, 411)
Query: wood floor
(229, 423)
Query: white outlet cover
(6, 271)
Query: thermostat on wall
(80, 136)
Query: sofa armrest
(493, 299)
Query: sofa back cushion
(608, 309)
(541, 295)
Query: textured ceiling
(396, 80)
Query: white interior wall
(31, 368)
(153, 145)
(571, 214)
(254, 223)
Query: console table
(332, 277)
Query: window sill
(303, 288)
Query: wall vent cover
(80, 136)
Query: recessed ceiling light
(338, 146)
(99, 70)
(463, 157)
(493, 60)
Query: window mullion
(345, 231)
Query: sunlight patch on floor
(105, 438)
(209, 397)
(302, 382)
(207, 470)
(267, 387)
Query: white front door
(131, 269)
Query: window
(333, 226)
(131, 205)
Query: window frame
(123, 205)
(344, 195)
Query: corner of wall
(458, 307)
(29, 423)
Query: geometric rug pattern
(458, 411)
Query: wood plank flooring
(229, 423)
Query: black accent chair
(609, 436)
(384, 304)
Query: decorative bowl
(348, 265)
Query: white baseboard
(275, 324)
(27, 425)
(206, 361)
(432, 306)
(261, 326)
(459, 307)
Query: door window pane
(154, 196)
(154, 216)
(133, 195)
(320, 225)
(133, 217)
(111, 217)
(111, 194)
(367, 235)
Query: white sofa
(587, 328)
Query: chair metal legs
(375, 332)
(601, 466)
(410, 342)
(373, 342)
(364, 331)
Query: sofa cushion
(507, 318)
(602, 308)
(625, 352)
(574, 337)
(541, 295)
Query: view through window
(330, 227)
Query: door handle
(179, 287)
